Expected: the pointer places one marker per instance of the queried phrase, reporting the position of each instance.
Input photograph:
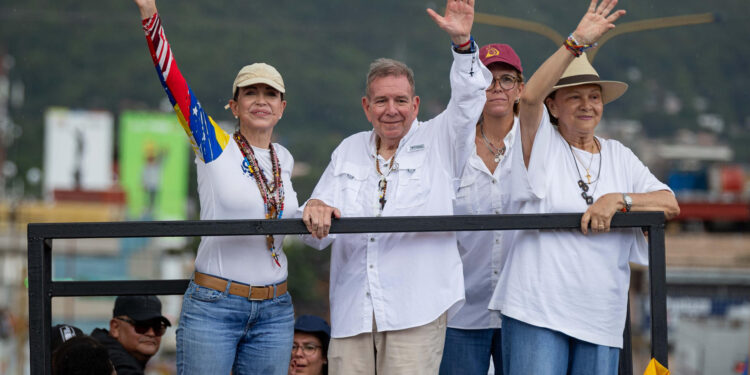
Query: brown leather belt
(238, 289)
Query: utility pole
(4, 117)
(11, 95)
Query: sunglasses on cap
(142, 327)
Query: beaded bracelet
(457, 47)
(576, 48)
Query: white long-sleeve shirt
(404, 279)
(483, 253)
(226, 188)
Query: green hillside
(92, 54)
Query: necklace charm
(583, 185)
(383, 183)
(499, 153)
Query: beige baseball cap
(258, 73)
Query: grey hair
(384, 67)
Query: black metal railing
(42, 289)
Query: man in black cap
(62, 333)
(135, 332)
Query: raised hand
(147, 7)
(458, 19)
(597, 21)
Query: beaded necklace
(273, 195)
(383, 183)
(583, 185)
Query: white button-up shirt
(404, 280)
(483, 253)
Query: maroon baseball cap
(502, 53)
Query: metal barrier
(42, 288)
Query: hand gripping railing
(42, 288)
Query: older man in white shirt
(390, 292)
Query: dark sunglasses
(142, 327)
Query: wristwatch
(628, 202)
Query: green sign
(154, 156)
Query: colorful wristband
(457, 47)
(576, 48)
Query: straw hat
(580, 72)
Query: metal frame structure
(42, 289)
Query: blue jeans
(220, 332)
(468, 351)
(529, 349)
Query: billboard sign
(154, 156)
(77, 150)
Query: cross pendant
(588, 176)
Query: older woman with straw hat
(563, 294)
(237, 315)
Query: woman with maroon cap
(473, 334)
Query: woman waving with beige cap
(237, 315)
(563, 294)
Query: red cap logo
(492, 51)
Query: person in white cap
(563, 294)
(391, 292)
(236, 314)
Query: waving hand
(597, 21)
(146, 7)
(458, 19)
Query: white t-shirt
(228, 192)
(225, 189)
(561, 279)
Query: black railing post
(42, 289)
(40, 303)
(657, 272)
(626, 354)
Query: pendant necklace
(272, 194)
(575, 155)
(383, 183)
(585, 185)
(497, 152)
